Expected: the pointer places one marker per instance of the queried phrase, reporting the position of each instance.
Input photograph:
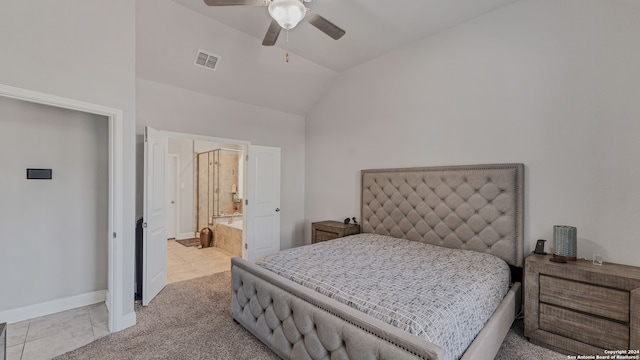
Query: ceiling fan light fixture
(287, 13)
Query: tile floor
(184, 263)
(52, 335)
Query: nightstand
(327, 230)
(580, 308)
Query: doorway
(210, 184)
(114, 294)
(262, 184)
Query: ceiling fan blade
(272, 34)
(235, 2)
(324, 25)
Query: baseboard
(187, 235)
(52, 307)
(126, 321)
(107, 297)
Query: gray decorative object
(565, 242)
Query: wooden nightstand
(327, 230)
(580, 308)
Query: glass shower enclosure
(219, 185)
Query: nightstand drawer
(322, 235)
(588, 329)
(596, 300)
(328, 230)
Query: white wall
(184, 149)
(54, 232)
(553, 84)
(83, 50)
(168, 36)
(174, 109)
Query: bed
(425, 214)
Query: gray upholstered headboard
(475, 207)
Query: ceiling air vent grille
(206, 60)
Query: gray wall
(552, 84)
(81, 50)
(54, 232)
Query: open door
(172, 196)
(263, 202)
(154, 243)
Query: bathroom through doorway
(207, 195)
(261, 182)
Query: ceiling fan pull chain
(286, 58)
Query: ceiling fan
(286, 14)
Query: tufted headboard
(475, 207)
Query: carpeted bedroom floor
(192, 320)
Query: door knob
(277, 209)
(173, 202)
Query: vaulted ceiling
(170, 32)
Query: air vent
(206, 60)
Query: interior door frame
(115, 294)
(176, 175)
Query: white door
(263, 207)
(172, 197)
(154, 244)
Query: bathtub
(237, 224)
(228, 237)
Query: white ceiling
(373, 27)
(170, 32)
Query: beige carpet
(192, 320)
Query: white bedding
(442, 295)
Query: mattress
(444, 296)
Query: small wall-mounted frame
(39, 174)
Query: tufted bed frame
(476, 207)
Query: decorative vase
(565, 242)
(206, 235)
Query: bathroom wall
(228, 177)
(184, 149)
(215, 169)
(217, 181)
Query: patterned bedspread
(442, 295)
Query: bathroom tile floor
(188, 262)
(52, 335)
